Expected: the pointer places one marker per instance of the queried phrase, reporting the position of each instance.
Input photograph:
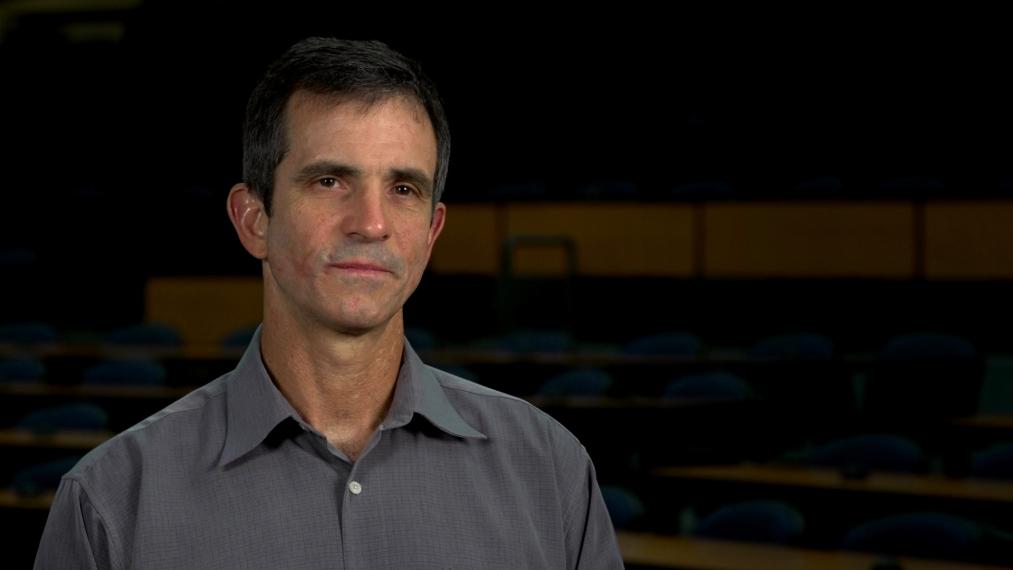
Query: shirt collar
(418, 391)
(255, 406)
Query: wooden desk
(56, 350)
(466, 355)
(93, 391)
(172, 393)
(584, 357)
(998, 422)
(631, 403)
(829, 479)
(706, 554)
(11, 500)
(61, 439)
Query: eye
(404, 190)
(328, 182)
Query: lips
(364, 267)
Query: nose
(365, 217)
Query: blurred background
(757, 261)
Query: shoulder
(189, 429)
(507, 418)
(524, 441)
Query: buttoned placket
(356, 494)
(349, 483)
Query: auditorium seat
(754, 521)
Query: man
(331, 445)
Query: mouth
(361, 268)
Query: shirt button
(355, 487)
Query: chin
(351, 330)
(358, 324)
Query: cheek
(417, 256)
(295, 253)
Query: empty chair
(459, 371)
(819, 186)
(420, 338)
(799, 373)
(927, 346)
(66, 417)
(534, 190)
(754, 521)
(678, 344)
(996, 395)
(794, 346)
(608, 189)
(709, 385)
(993, 463)
(577, 382)
(17, 259)
(1006, 185)
(239, 338)
(913, 187)
(924, 534)
(531, 341)
(21, 370)
(146, 334)
(726, 427)
(126, 373)
(862, 453)
(28, 333)
(923, 377)
(42, 477)
(702, 190)
(624, 507)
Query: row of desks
(876, 483)
(691, 553)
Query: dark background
(121, 136)
(123, 126)
(134, 140)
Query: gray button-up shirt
(230, 476)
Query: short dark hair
(366, 71)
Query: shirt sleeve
(591, 539)
(75, 536)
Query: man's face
(352, 222)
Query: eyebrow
(339, 170)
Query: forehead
(392, 128)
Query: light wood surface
(81, 391)
(817, 239)
(60, 439)
(986, 421)
(969, 240)
(706, 554)
(57, 350)
(11, 500)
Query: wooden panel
(469, 242)
(611, 239)
(205, 309)
(708, 554)
(969, 240)
(809, 240)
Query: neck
(341, 384)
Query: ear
(436, 225)
(246, 211)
